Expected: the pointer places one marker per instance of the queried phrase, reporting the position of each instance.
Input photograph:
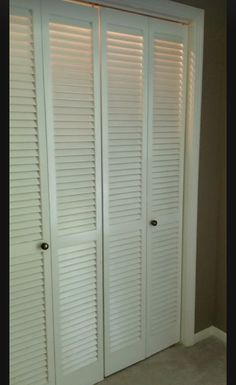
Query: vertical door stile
(31, 325)
(148, 171)
(167, 88)
(72, 94)
(124, 115)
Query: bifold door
(143, 104)
(71, 69)
(64, 168)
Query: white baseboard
(205, 333)
(211, 331)
(219, 334)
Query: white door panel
(167, 77)
(31, 343)
(124, 127)
(72, 94)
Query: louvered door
(72, 94)
(124, 151)
(56, 192)
(168, 48)
(31, 345)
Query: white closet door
(124, 151)
(167, 52)
(31, 345)
(71, 60)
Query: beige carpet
(201, 364)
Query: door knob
(153, 222)
(44, 246)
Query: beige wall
(211, 244)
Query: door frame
(194, 18)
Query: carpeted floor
(201, 364)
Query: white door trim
(194, 17)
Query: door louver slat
(81, 139)
(72, 333)
(117, 112)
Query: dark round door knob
(44, 246)
(153, 222)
